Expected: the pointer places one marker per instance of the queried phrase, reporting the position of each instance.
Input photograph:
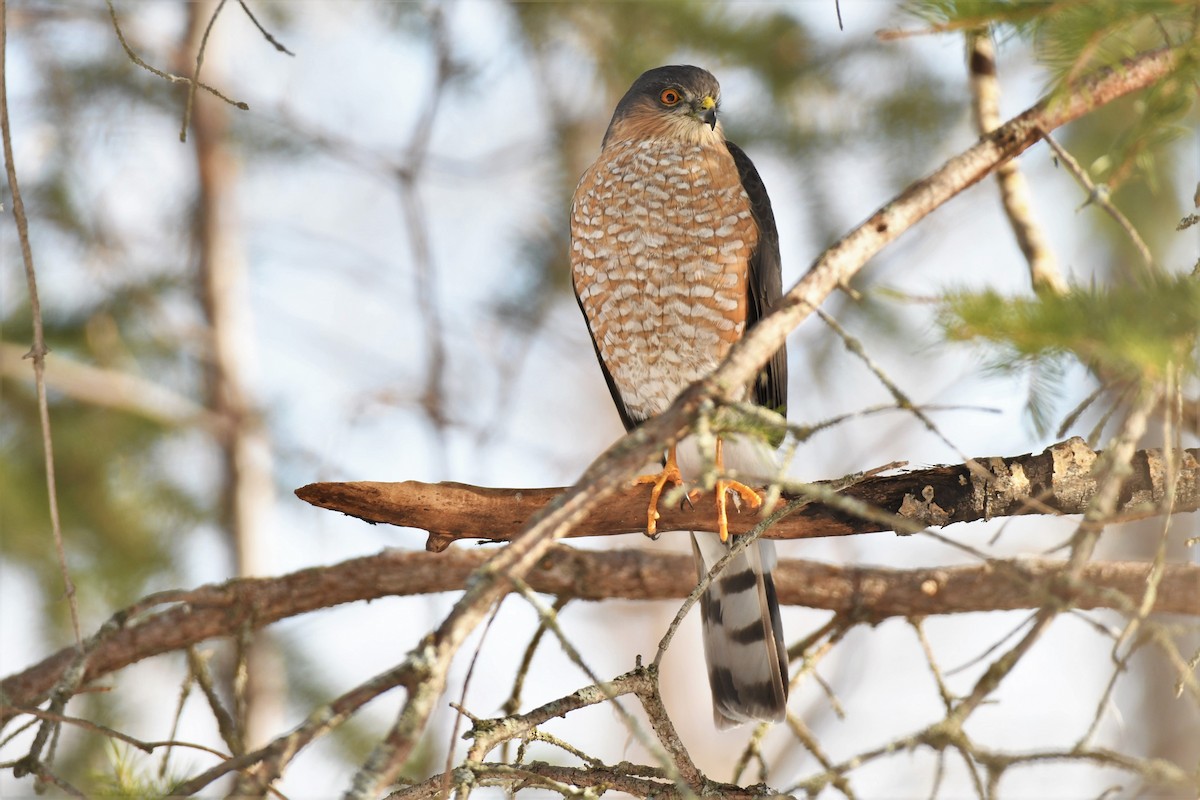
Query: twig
(226, 724)
(673, 758)
(185, 691)
(1098, 194)
(991, 648)
(257, 769)
(488, 734)
(462, 696)
(739, 547)
(266, 34)
(111, 733)
(200, 50)
(513, 704)
(903, 401)
(37, 353)
(931, 660)
(541, 736)
(810, 743)
(112, 12)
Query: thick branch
(1056, 481)
(189, 618)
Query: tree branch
(112, 388)
(1015, 196)
(1058, 480)
(227, 609)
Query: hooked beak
(706, 111)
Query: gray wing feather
(765, 285)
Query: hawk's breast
(661, 237)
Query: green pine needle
(1133, 331)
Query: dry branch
(1058, 480)
(110, 388)
(189, 618)
(589, 781)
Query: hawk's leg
(670, 474)
(745, 492)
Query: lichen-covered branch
(1058, 480)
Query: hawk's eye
(670, 97)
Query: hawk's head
(669, 102)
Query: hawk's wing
(764, 283)
(626, 417)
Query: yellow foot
(744, 492)
(670, 474)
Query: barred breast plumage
(662, 232)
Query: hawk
(674, 256)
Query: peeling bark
(1058, 480)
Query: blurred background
(363, 277)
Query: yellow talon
(670, 474)
(745, 492)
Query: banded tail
(743, 636)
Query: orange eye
(670, 97)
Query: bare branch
(1057, 480)
(641, 682)
(625, 778)
(867, 592)
(37, 353)
(110, 388)
(1098, 194)
(165, 75)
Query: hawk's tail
(743, 637)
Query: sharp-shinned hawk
(674, 255)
